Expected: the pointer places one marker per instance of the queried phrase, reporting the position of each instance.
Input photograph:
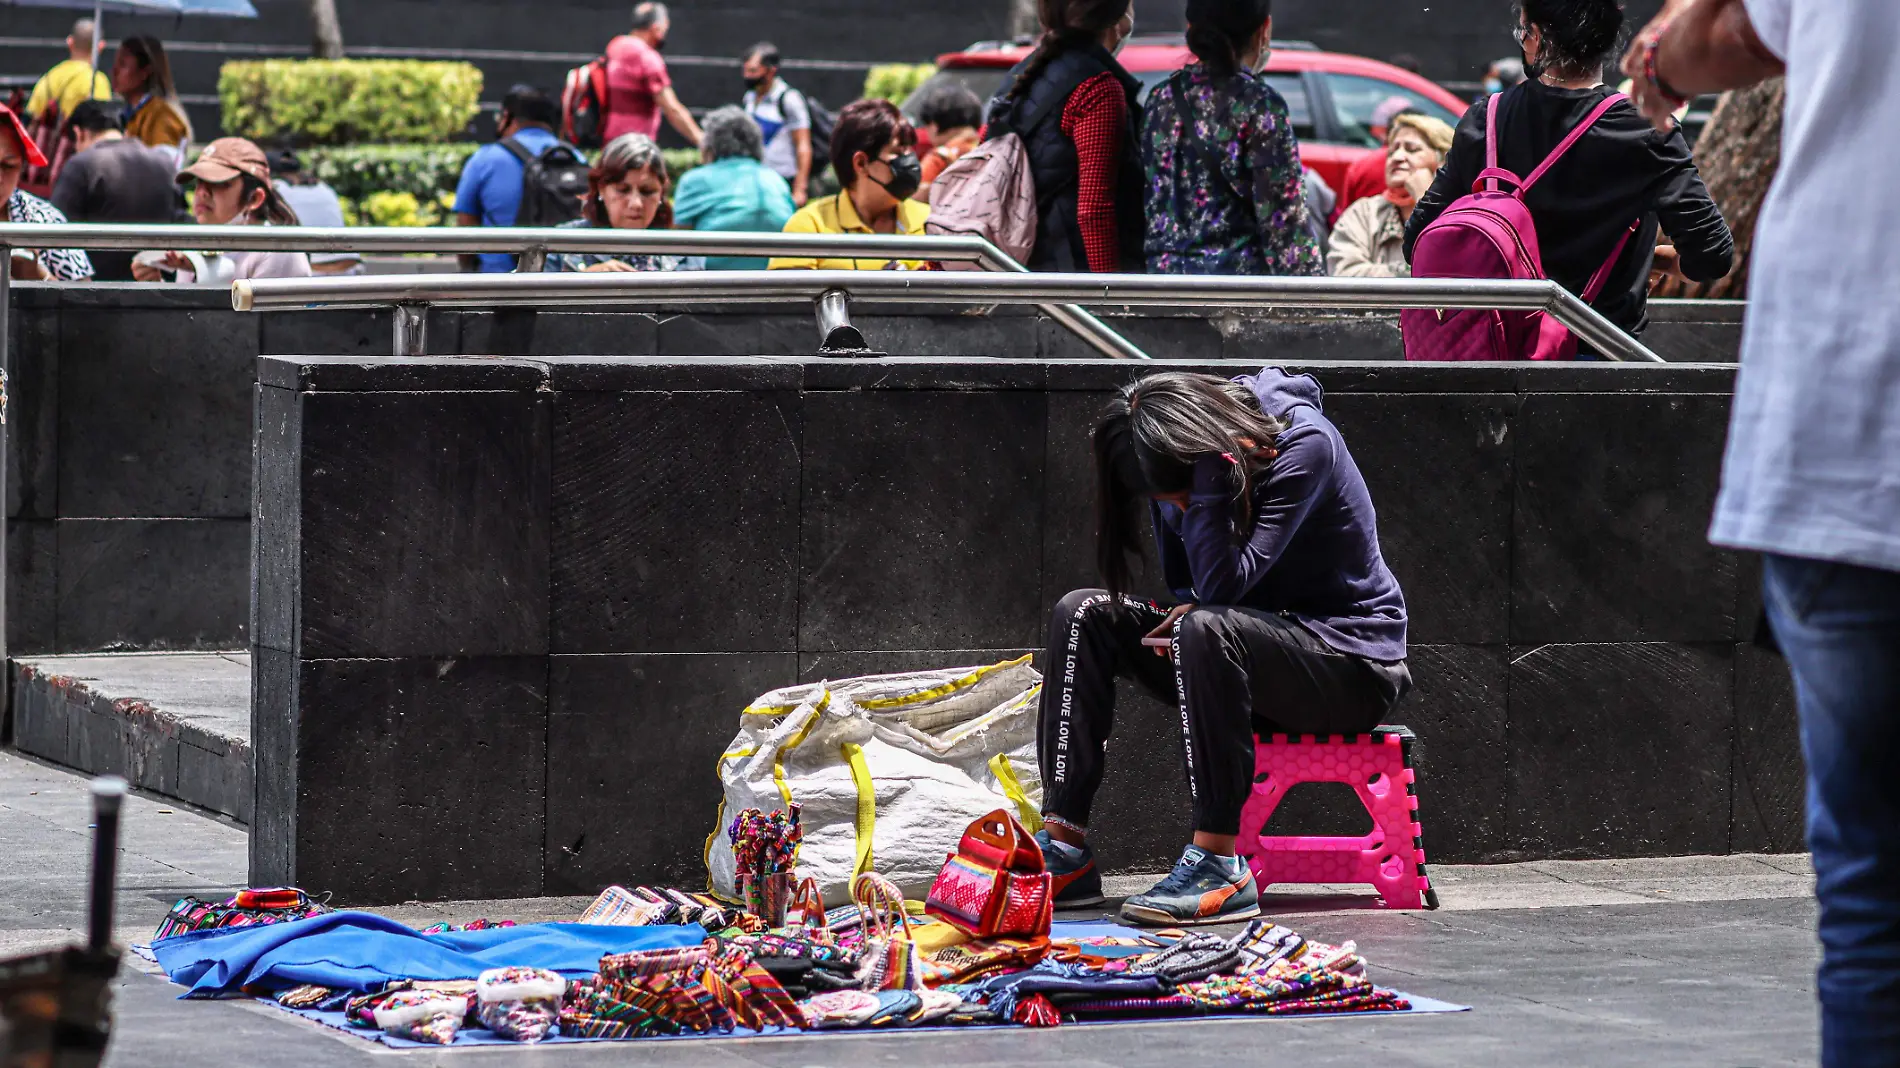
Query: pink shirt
(636, 75)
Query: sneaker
(1078, 882)
(1201, 889)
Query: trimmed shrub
(423, 171)
(342, 101)
(896, 81)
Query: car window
(1355, 98)
(1292, 87)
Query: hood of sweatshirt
(1280, 392)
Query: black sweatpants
(1233, 672)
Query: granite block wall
(522, 600)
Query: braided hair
(1066, 24)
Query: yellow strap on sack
(778, 758)
(867, 804)
(719, 818)
(1013, 789)
(880, 704)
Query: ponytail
(1219, 30)
(276, 210)
(1065, 24)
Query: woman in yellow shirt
(874, 152)
(143, 76)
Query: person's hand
(155, 272)
(1644, 93)
(28, 269)
(800, 196)
(608, 267)
(1666, 267)
(1166, 629)
(1420, 180)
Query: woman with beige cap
(233, 188)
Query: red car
(1330, 96)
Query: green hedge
(346, 101)
(423, 171)
(896, 81)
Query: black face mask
(907, 173)
(753, 82)
(660, 45)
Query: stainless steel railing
(533, 246)
(411, 295)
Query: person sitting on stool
(1290, 622)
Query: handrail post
(6, 462)
(534, 260)
(411, 330)
(836, 335)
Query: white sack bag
(887, 770)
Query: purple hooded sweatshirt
(1313, 553)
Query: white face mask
(1127, 28)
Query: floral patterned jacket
(1225, 188)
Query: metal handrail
(534, 244)
(420, 291)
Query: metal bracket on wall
(411, 330)
(534, 260)
(836, 335)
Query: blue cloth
(360, 951)
(1314, 548)
(1839, 625)
(490, 188)
(735, 194)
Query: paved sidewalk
(1690, 961)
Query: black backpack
(552, 184)
(824, 122)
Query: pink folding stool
(1378, 767)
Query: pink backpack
(1489, 234)
(988, 193)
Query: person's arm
(1352, 254)
(796, 111)
(1701, 46)
(680, 118)
(1279, 195)
(1461, 168)
(1705, 249)
(1224, 568)
(1093, 118)
(42, 95)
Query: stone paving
(1688, 960)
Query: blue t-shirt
(490, 188)
(737, 193)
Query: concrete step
(177, 724)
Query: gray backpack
(989, 193)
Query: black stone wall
(130, 487)
(514, 605)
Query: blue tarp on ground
(361, 951)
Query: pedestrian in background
(1812, 475)
(489, 193)
(66, 85)
(1226, 192)
(874, 151)
(1074, 107)
(17, 153)
(114, 179)
(949, 117)
(142, 76)
(784, 118)
(316, 204)
(639, 90)
(626, 190)
(1366, 177)
(732, 189)
(1369, 239)
(1618, 184)
(233, 188)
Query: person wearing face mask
(783, 115)
(1368, 241)
(626, 190)
(1602, 204)
(1226, 194)
(874, 150)
(232, 188)
(1075, 108)
(639, 89)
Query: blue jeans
(1840, 627)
